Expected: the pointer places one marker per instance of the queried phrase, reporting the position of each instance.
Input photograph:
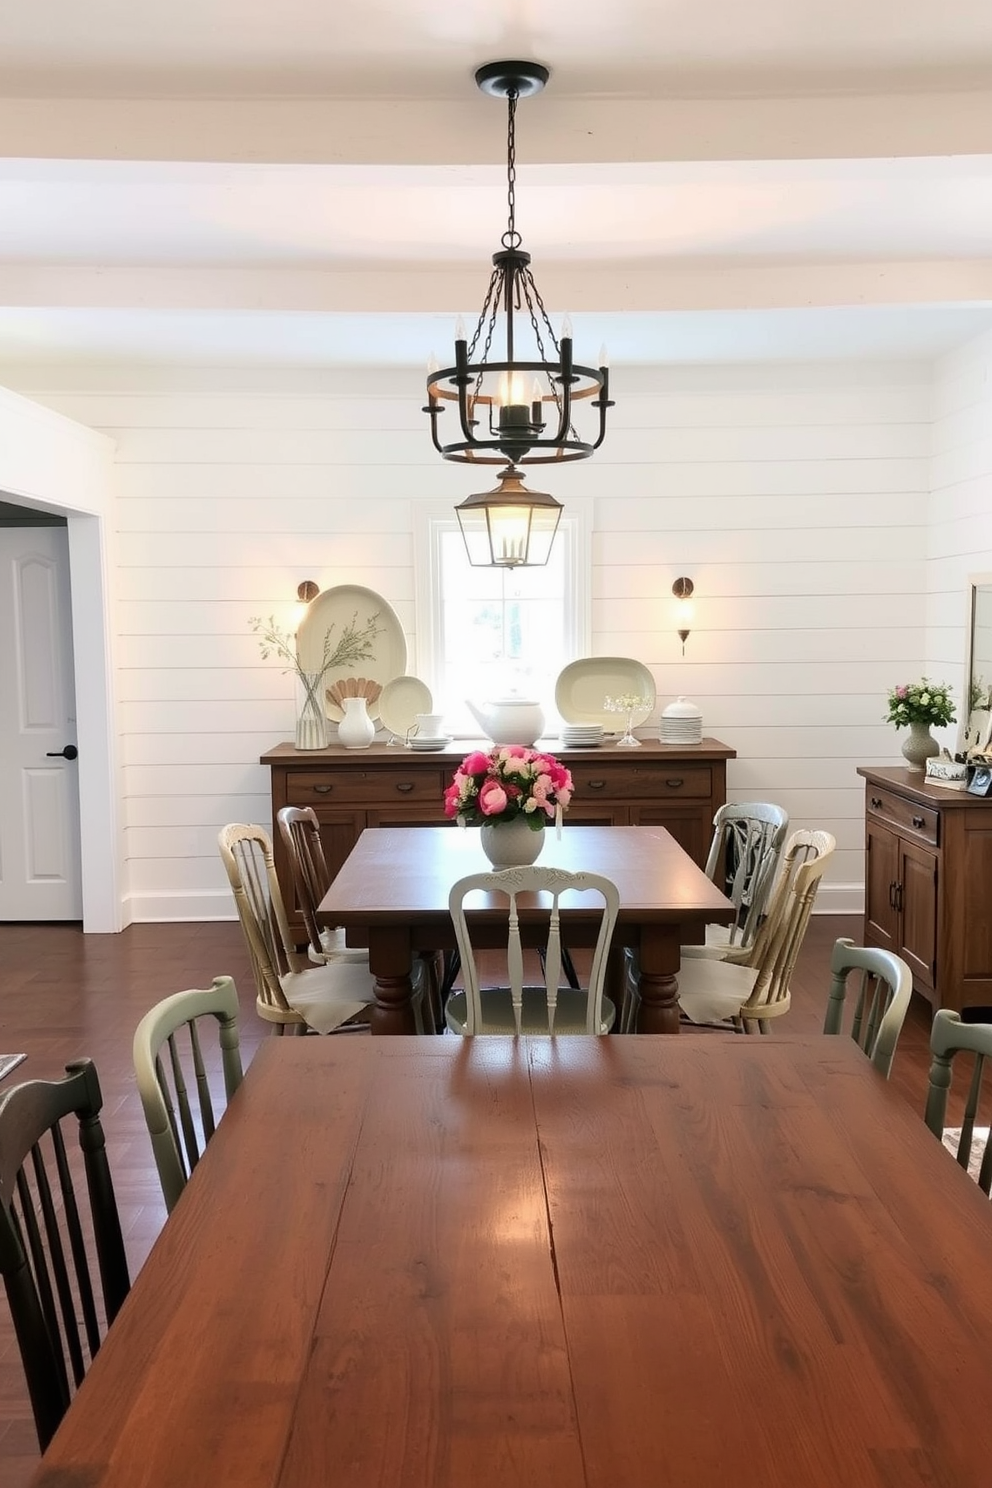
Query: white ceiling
(310, 184)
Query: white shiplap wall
(795, 497)
(960, 517)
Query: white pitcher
(356, 729)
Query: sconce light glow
(683, 590)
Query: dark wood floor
(63, 995)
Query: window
(484, 632)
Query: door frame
(51, 463)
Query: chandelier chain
(495, 281)
(511, 238)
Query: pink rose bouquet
(507, 782)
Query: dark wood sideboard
(668, 785)
(928, 876)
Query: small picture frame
(980, 780)
(979, 731)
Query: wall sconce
(682, 589)
(305, 592)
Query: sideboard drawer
(628, 783)
(363, 787)
(922, 821)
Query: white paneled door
(39, 790)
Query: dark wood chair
(47, 1268)
(299, 829)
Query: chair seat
(713, 991)
(717, 947)
(327, 996)
(497, 1009)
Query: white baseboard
(836, 899)
(163, 908)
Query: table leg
(660, 958)
(391, 960)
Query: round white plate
(401, 700)
(424, 746)
(333, 612)
(583, 685)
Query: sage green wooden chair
(950, 1037)
(748, 837)
(548, 1008)
(884, 985)
(173, 1079)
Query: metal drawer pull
(404, 785)
(892, 894)
(596, 784)
(918, 821)
(323, 790)
(674, 784)
(876, 803)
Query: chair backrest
(246, 852)
(747, 838)
(300, 831)
(505, 888)
(780, 938)
(948, 1037)
(884, 988)
(174, 1080)
(46, 1258)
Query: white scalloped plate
(340, 607)
(583, 685)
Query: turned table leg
(660, 958)
(391, 961)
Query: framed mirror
(978, 664)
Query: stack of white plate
(681, 723)
(581, 735)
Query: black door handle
(69, 752)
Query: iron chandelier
(515, 403)
(518, 408)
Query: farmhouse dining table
(391, 894)
(582, 1262)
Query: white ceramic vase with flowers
(511, 793)
(919, 706)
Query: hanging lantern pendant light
(520, 408)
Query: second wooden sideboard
(674, 786)
(928, 866)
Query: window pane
(501, 631)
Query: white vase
(311, 721)
(356, 729)
(511, 844)
(919, 746)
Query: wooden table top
(582, 1263)
(408, 872)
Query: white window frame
(433, 519)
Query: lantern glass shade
(509, 527)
